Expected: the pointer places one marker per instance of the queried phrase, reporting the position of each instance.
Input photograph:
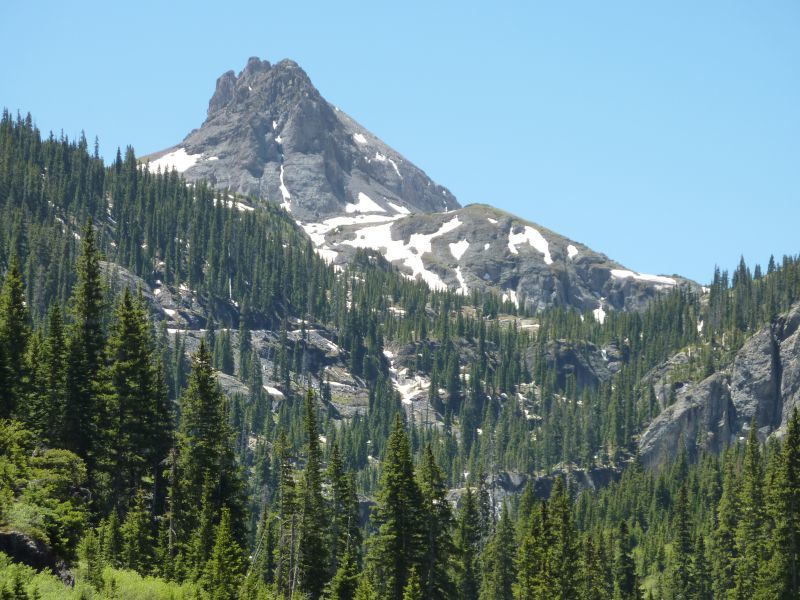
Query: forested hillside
(195, 405)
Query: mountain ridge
(270, 133)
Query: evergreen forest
(143, 460)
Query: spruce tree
(313, 555)
(468, 537)
(750, 533)
(15, 331)
(437, 522)
(682, 573)
(626, 585)
(85, 344)
(781, 576)
(563, 555)
(225, 568)
(498, 563)
(397, 546)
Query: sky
(664, 134)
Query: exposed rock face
(584, 362)
(271, 134)
(480, 247)
(762, 383)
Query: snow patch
(410, 253)
(400, 209)
(365, 204)
(380, 157)
(279, 139)
(599, 314)
(396, 170)
(572, 251)
(273, 391)
(486, 246)
(512, 296)
(462, 285)
(359, 138)
(659, 279)
(458, 248)
(491, 220)
(286, 204)
(532, 237)
(178, 160)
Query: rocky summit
(270, 134)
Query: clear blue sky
(666, 135)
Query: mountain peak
(271, 134)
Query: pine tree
(563, 555)
(437, 522)
(750, 532)
(137, 539)
(133, 397)
(781, 576)
(15, 332)
(345, 535)
(286, 568)
(468, 537)
(313, 556)
(48, 393)
(397, 545)
(498, 563)
(205, 449)
(593, 580)
(723, 549)
(225, 568)
(683, 582)
(413, 589)
(85, 344)
(626, 586)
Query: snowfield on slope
(533, 238)
(178, 160)
(410, 253)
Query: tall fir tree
(85, 345)
(15, 331)
(396, 548)
(313, 551)
(750, 533)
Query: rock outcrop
(761, 384)
(269, 133)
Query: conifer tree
(498, 563)
(345, 535)
(682, 579)
(286, 568)
(413, 589)
(313, 556)
(437, 521)
(15, 330)
(205, 449)
(137, 539)
(750, 531)
(48, 393)
(626, 586)
(397, 545)
(85, 344)
(781, 576)
(563, 555)
(723, 549)
(468, 537)
(224, 570)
